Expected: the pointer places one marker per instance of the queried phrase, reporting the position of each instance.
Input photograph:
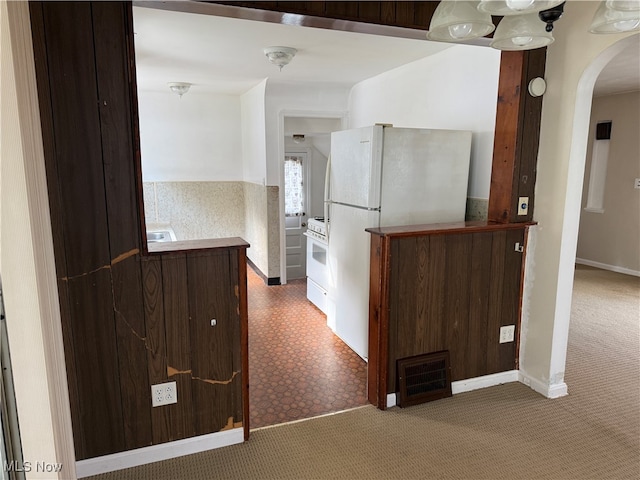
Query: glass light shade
(521, 32)
(516, 7)
(608, 20)
(179, 88)
(455, 21)
(625, 5)
(280, 56)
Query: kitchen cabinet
(444, 287)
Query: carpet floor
(507, 431)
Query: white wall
(454, 89)
(574, 61)
(612, 238)
(254, 160)
(196, 137)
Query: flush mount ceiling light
(616, 17)
(455, 21)
(280, 56)
(179, 88)
(516, 7)
(298, 138)
(521, 32)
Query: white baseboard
(611, 268)
(485, 381)
(470, 384)
(156, 453)
(550, 391)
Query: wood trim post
(517, 133)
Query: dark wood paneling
(480, 279)
(156, 364)
(445, 291)
(211, 346)
(72, 79)
(96, 363)
(436, 294)
(456, 303)
(132, 352)
(234, 307)
(345, 10)
(508, 118)
(122, 214)
(511, 297)
(517, 135)
(530, 140)
(72, 375)
(178, 344)
(376, 277)
(396, 13)
(111, 53)
(55, 209)
(243, 310)
(495, 306)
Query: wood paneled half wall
(131, 318)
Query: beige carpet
(506, 432)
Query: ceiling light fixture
(521, 32)
(455, 21)
(179, 88)
(516, 7)
(298, 138)
(280, 56)
(526, 24)
(616, 17)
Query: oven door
(317, 273)
(317, 267)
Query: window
(598, 172)
(293, 186)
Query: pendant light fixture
(456, 21)
(516, 7)
(624, 5)
(616, 17)
(521, 32)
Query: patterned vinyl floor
(297, 367)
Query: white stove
(317, 271)
(316, 228)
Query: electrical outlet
(636, 184)
(164, 394)
(523, 205)
(507, 333)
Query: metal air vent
(424, 378)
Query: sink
(161, 236)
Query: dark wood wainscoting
(130, 319)
(443, 287)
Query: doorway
(296, 198)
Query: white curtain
(293, 186)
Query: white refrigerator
(384, 176)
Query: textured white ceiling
(225, 55)
(622, 73)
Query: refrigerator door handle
(327, 200)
